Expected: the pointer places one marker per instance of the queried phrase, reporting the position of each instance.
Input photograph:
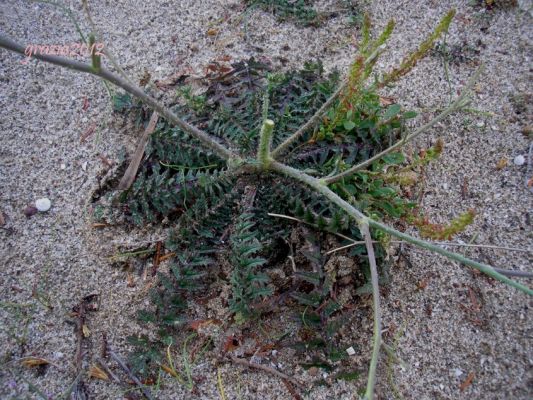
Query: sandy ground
(453, 326)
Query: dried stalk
(131, 172)
(369, 394)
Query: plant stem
(369, 395)
(320, 186)
(103, 73)
(456, 105)
(105, 50)
(265, 141)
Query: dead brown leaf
(85, 103)
(88, 132)
(86, 331)
(130, 280)
(231, 344)
(97, 373)
(212, 32)
(423, 283)
(386, 101)
(167, 256)
(145, 78)
(467, 382)
(105, 160)
(31, 362)
(502, 163)
(201, 323)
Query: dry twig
(265, 368)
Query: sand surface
(457, 326)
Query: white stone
(63, 166)
(519, 160)
(43, 204)
(84, 166)
(480, 124)
(457, 372)
(350, 350)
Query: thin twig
(369, 395)
(131, 172)
(145, 391)
(103, 73)
(482, 246)
(506, 272)
(267, 369)
(456, 105)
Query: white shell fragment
(519, 160)
(43, 204)
(350, 350)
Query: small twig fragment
(131, 172)
(265, 368)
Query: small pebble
(457, 372)
(43, 204)
(350, 350)
(480, 124)
(519, 160)
(30, 210)
(84, 166)
(63, 166)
